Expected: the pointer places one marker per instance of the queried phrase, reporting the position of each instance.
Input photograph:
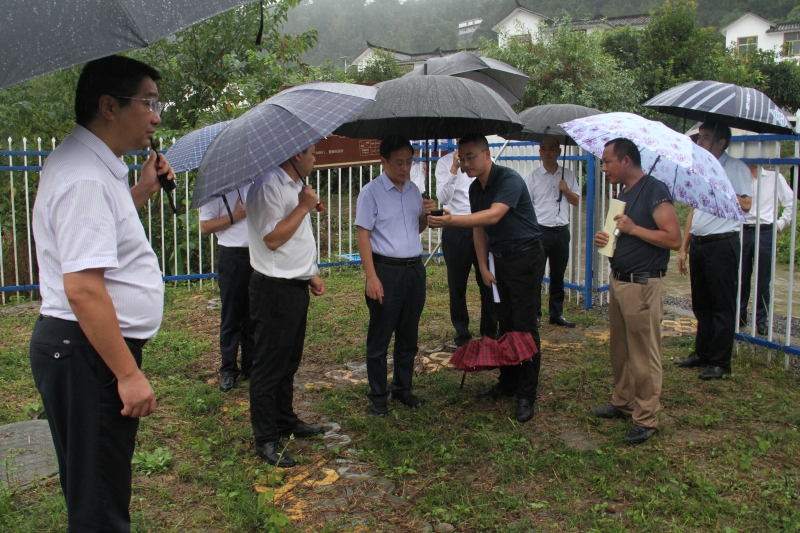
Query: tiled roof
(786, 26)
(615, 22)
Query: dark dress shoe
(524, 410)
(761, 329)
(378, 409)
(692, 361)
(271, 453)
(561, 321)
(494, 392)
(714, 372)
(409, 400)
(302, 430)
(226, 383)
(608, 411)
(639, 434)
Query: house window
(747, 44)
(791, 44)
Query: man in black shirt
(647, 231)
(504, 224)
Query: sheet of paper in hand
(615, 207)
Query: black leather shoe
(639, 434)
(608, 411)
(714, 372)
(409, 400)
(761, 329)
(524, 410)
(271, 453)
(692, 361)
(378, 409)
(561, 321)
(226, 383)
(494, 392)
(302, 430)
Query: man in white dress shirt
(553, 189)
(714, 264)
(283, 253)
(764, 200)
(101, 287)
(234, 272)
(452, 190)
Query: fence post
(589, 233)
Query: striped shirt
(84, 217)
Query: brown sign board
(339, 152)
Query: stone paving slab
(27, 455)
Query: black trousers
(519, 283)
(94, 443)
(714, 273)
(556, 250)
(459, 256)
(235, 326)
(764, 272)
(279, 311)
(403, 300)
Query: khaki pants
(635, 313)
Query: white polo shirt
(84, 217)
(234, 236)
(703, 223)
(452, 190)
(543, 187)
(272, 198)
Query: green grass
(725, 460)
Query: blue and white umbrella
(188, 151)
(275, 130)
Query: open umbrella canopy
(273, 131)
(544, 120)
(486, 353)
(738, 107)
(693, 175)
(501, 77)
(188, 151)
(427, 107)
(42, 36)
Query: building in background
(751, 32)
(404, 59)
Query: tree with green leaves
(381, 66)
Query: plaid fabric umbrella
(273, 131)
(485, 353)
(188, 151)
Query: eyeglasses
(155, 106)
(469, 158)
(403, 164)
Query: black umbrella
(738, 107)
(502, 78)
(544, 120)
(42, 36)
(427, 107)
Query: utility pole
(344, 58)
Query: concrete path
(27, 455)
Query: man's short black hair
(477, 139)
(112, 75)
(721, 131)
(393, 143)
(625, 147)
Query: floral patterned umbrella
(693, 175)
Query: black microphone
(167, 185)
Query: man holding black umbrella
(504, 223)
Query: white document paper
(494, 285)
(615, 207)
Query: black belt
(716, 237)
(302, 283)
(513, 253)
(394, 261)
(137, 342)
(234, 248)
(753, 226)
(638, 277)
(556, 229)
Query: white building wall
(750, 26)
(518, 23)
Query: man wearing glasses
(390, 215)
(504, 224)
(102, 293)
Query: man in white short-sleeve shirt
(714, 264)
(553, 189)
(102, 293)
(226, 218)
(283, 254)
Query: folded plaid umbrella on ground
(486, 353)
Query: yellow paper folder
(615, 207)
